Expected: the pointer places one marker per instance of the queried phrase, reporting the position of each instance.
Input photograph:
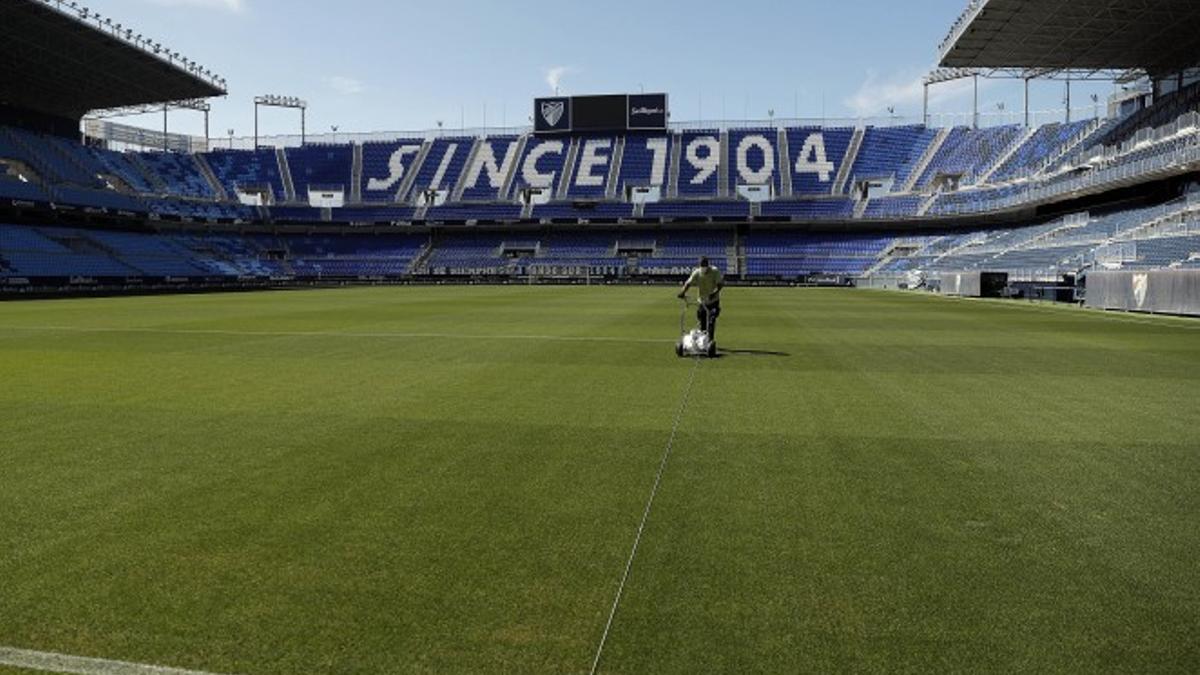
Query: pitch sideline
(334, 334)
(83, 665)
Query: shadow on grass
(751, 352)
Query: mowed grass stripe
(637, 539)
(869, 516)
(372, 507)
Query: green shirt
(705, 280)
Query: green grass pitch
(440, 480)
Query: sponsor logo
(552, 112)
(642, 110)
(1141, 284)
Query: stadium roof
(63, 59)
(1159, 36)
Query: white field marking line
(82, 665)
(662, 465)
(1160, 320)
(333, 334)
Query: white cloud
(235, 6)
(905, 92)
(346, 86)
(555, 75)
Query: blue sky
(375, 65)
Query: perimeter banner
(1156, 291)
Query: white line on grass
(83, 665)
(662, 465)
(332, 334)
(1159, 320)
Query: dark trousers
(707, 316)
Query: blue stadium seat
(700, 163)
(385, 166)
(645, 162)
(816, 157)
(179, 173)
(247, 169)
(494, 157)
(891, 153)
(320, 165)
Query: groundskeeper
(708, 281)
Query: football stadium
(442, 402)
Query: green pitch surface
(450, 480)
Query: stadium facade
(769, 202)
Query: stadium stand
(489, 168)
(542, 164)
(592, 166)
(794, 254)
(13, 188)
(1005, 173)
(569, 212)
(1044, 142)
(1167, 235)
(320, 166)
(967, 153)
(698, 172)
(698, 210)
(177, 173)
(816, 155)
(891, 152)
(248, 170)
(755, 159)
(1169, 107)
(443, 165)
(700, 164)
(123, 167)
(645, 161)
(466, 212)
(838, 208)
(386, 165)
(46, 157)
(893, 206)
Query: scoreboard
(608, 113)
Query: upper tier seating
(699, 163)
(542, 164)
(178, 173)
(816, 157)
(969, 153)
(248, 169)
(1044, 142)
(124, 167)
(443, 165)
(46, 155)
(321, 166)
(891, 152)
(699, 174)
(592, 166)
(645, 162)
(488, 169)
(385, 166)
(1163, 111)
(754, 158)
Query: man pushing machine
(708, 282)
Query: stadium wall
(1155, 291)
(973, 284)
